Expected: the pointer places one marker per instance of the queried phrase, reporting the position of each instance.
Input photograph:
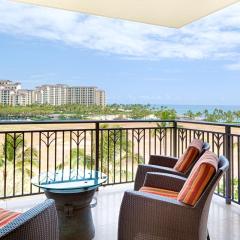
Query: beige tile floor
(224, 220)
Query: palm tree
(15, 151)
(139, 112)
(166, 114)
(189, 114)
(115, 150)
(237, 115)
(229, 117)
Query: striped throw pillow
(159, 191)
(189, 156)
(199, 178)
(7, 216)
(187, 159)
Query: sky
(132, 62)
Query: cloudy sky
(133, 62)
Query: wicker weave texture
(152, 217)
(38, 223)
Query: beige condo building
(8, 90)
(52, 94)
(100, 97)
(82, 95)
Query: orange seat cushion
(199, 178)
(186, 160)
(159, 191)
(7, 216)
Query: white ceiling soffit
(168, 13)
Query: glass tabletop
(63, 181)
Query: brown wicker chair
(38, 223)
(163, 164)
(145, 216)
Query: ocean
(181, 109)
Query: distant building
(6, 96)
(58, 94)
(23, 97)
(7, 91)
(82, 95)
(9, 85)
(100, 98)
(51, 94)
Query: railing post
(228, 153)
(97, 146)
(175, 138)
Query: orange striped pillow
(185, 161)
(199, 178)
(159, 191)
(7, 216)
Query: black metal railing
(113, 147)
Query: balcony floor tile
(224, 220)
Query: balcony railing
(113, 147)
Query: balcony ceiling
(168, 13)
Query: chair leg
(208, 237)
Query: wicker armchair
(163, 164)
(145, 216)
(38, 223)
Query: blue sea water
(181, 109)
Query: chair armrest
(165, 181)
(163, 161)
(38, 223)
(144, 168)
(148, 216)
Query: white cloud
(234, 66)
(216, 36)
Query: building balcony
(115, 148)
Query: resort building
(60, 94)
(57, 94)
(51, 94)
(23, 97)
(7, 91)
(100, 97)
(5, 96)
(83, 95)
(9, 85)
